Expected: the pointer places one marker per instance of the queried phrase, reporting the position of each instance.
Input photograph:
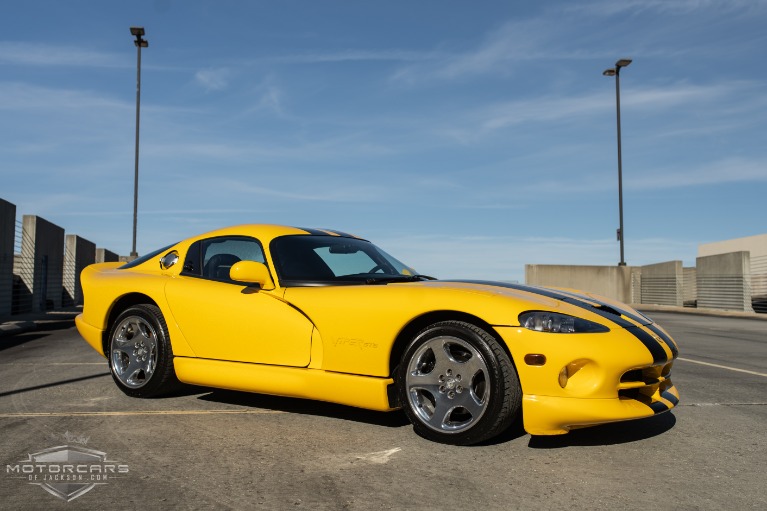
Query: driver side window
(214, 257)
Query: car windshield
(333, 259)
(144, 258)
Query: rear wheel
(457, 384)
(140, 354)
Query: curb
(643, 307)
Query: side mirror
(169, 260)
(252, 273)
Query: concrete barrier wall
(663, 284)
(724, 281)
(689, 286)
(106, 256)
(78, 254)
(40, 266)
(610, 281)
(7, 236)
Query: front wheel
(140, 353)
(457, 384)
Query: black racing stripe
(658, 407)
(603, 313)
(556, 296)
(668, 340)
(313, 232)
(623, 312)
(653, 346)
(671, 398)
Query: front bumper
(590, 379)
(547, 415)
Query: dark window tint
(192, 264)
(218, 255)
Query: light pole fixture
(616, 72)
(140, 42)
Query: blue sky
(465, 138)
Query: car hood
(609, 309)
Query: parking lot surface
(213, 449)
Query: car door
(224, 320)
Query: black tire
(457, 385)
(140, 354)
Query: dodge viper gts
(324, 315)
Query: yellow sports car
(319, 314)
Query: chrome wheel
(447, 383)
(134, 351)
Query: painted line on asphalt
(143, 412)
(723, 404)
(722, 367)
(55, 364)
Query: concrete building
(7, 237)
(78, 254)
(754, 276)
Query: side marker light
(535, 359)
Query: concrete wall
(609, 281)
(106, 256)
(7, 236)
(724, 281)
(690, 286)
(663, 284)
(757, 245)
(40, 266)
(78, 254)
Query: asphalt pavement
(212, 449)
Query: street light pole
(616, 72)
(140, 42)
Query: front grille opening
(646, 375)
(628, 394)
(631, 376)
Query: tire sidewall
(154, 385)
(497, 383)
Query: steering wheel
(378, 267)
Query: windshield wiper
(398, 278)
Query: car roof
(267, 232)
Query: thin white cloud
(551, 108)
(24, 96)
(353, 55)
(309, 190)
(727, 170)
(611, 7)
(213, 79)
(38, 54)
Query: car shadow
(395, 419)
(17, 340)
(608, 434)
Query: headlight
(542, 321)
